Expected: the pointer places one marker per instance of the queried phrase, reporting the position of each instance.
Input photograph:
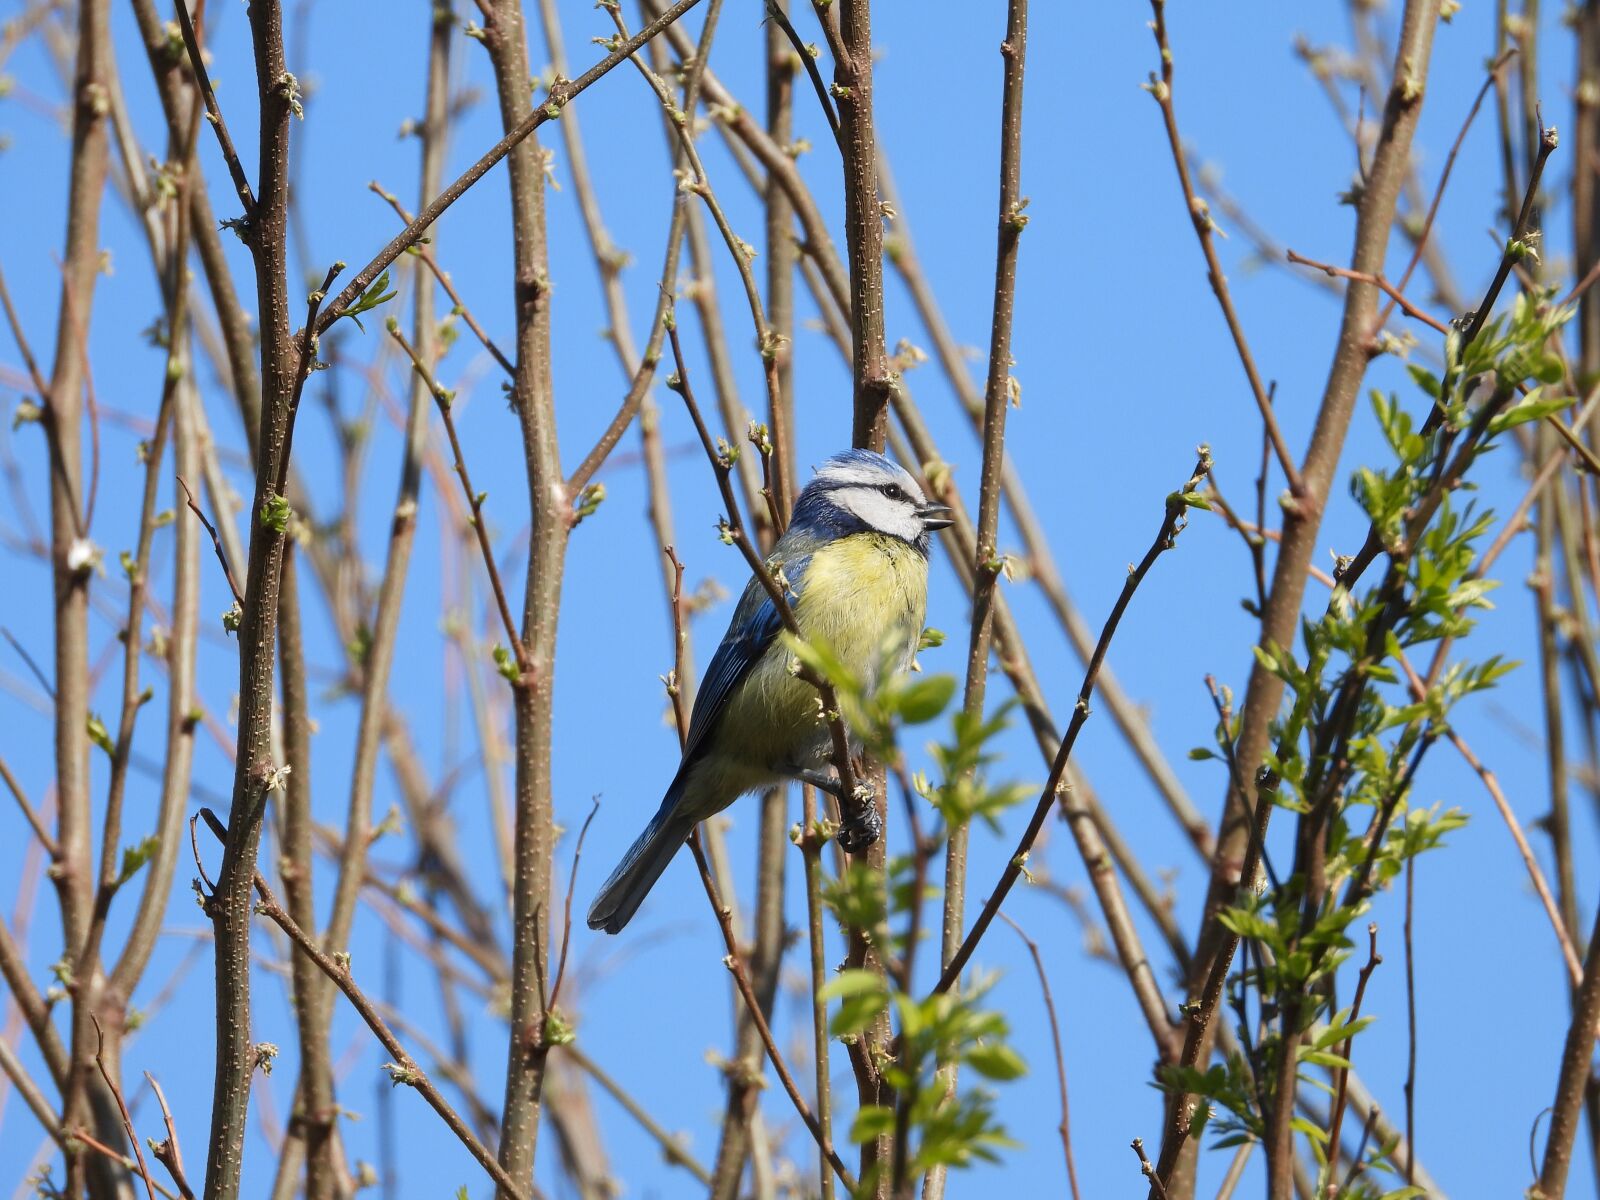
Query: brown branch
(442, 399)
(404, 1069)
(735, 964)
(1547, 145)
(197, 64)
(1421, 240)
(671, 1149)
(1157, 1188)
(122, 1107)
(11, 1067)
(1200, 217)
(1197, 1036)
(72, 567)
(1411, 1025)
(167, 1152)
(216, 541)
(1172, 524)
(566, 921)
(431, 261)
(1342, 1075)
(35, 821)
(808, 59)
(1573, 1079)
(986, 560)
(560, 96)
(1302, 521)
(996, 400)
(1065, 1128)
(1393, 292)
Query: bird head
(858, 491)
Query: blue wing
(754, 628)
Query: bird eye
(893, 491)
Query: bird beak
(935, 516)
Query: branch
(404, 1069)
(1172, 524)
(442, 398)
(35, 821)
(1200, 216)
(197, 62)
(805, 53)
(559, 97)
(216, 542)
(1061, 1061)
(735, 964)
(1392, 291)
(431, 261)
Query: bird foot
(859, 830)
(821, 780)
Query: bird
(854, 565)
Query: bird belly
(864, 598)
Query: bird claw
(861, 829)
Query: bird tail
(642, 865)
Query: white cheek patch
(879, 512)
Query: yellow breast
(861, 595)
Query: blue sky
(1125, 367)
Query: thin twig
(35, 821)
(1421, 241)
(1200, 217)
(778, 17)
(28, 659)
(442, 398)
(216, 541)
(197, 63)
(404, 1069)
(1391, 290)
(167, 1152)
(1172, 524)
(1148, 1171)
(122, 1106)
(431, 261)
(1061, 1061)
(572, 883)
(735, 963)
(559, 96)
(1342, 1076)
(671, 1148)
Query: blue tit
(855, 563)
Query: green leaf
(1534, 408)
(1318, 1135)
(370, 299)
(98, 734)
(134, 857)
(852, 982)
(275, 513)
(506, 663)
(872, 1121)
(925, 699)
(997, 1061)
(1324, 1058)
(864, 999)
